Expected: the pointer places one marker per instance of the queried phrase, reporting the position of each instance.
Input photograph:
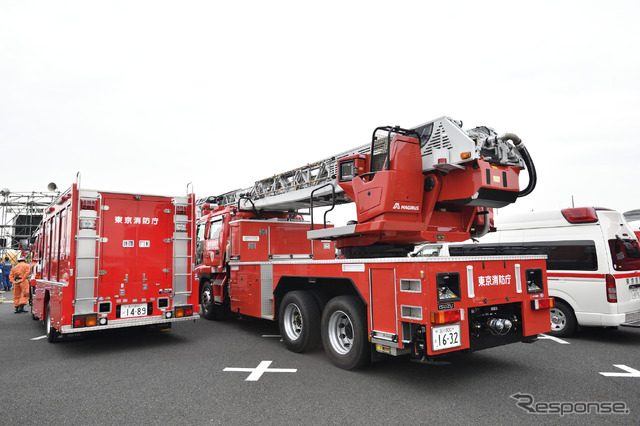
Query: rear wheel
(344, 332)
(52, 334)
(563, 320)
(299, 321)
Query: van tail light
(538, 304)
(612, 293)
(446, 317)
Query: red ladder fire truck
(108, 260)
(436, 182)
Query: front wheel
(299, 321)
(344, 332)
(563, 320)
(206, 299)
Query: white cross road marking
(262, 368)
(39, 337)
(555, 339)
(631, 372)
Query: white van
(593, 263)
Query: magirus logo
(397, 206)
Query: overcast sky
(146, 96)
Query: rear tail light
(543, 303)
(181, 209)
(580, 215)
(184, 311)
(181, 227)
(612, 292)
(446, 317)
(80, 321)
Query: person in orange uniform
(19, 276)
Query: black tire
(344, 332)
(299, 321)
(321, 298)
(563, 320)
(52, 334)
(207, 304)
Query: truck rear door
(133, 231)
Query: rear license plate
(445, 337)
(635, 292)
(137, 310)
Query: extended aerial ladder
(434, 182)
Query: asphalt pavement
(238, 372)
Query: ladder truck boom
(444, 146)
(436, 174)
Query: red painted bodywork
(268, 256)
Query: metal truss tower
(20, 215)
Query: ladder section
(291, 190)
(182, 249)
(87, 266)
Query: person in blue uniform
(5, 270)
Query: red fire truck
(255, 256)
(107, 260)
